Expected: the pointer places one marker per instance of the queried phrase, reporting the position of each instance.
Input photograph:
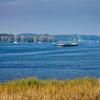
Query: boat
(61, 45)
(97, 41)
(54, 43)
(39, 42)
(66, 44)
(73, 42)
(15, 42)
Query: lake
(47, 61)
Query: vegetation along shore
(35, 89)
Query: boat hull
(67, 45)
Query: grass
(34, 89)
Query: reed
(34, 89)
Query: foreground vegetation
(34, 89)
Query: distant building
(26, 37)
(35, 38)
(7, 38)
(43, 38)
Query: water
(46, 61)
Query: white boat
(67, 44)
(97, 41)
(15, 42)
(15, 39)
(54, 43)
(39, 42)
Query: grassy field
(34, 89)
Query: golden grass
(34, 89)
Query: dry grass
(34, 89)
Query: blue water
(47, 61)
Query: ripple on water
(46, 61)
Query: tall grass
(34, 89)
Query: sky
(50, 16)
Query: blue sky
(50, 16)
